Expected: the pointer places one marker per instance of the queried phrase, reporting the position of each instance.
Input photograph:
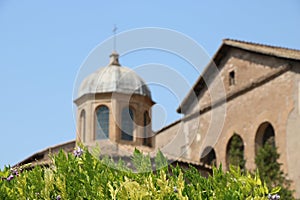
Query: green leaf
(160, 161)
(275, 190)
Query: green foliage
(160, 161)
(229, 185)
(236, 152)
(86, 177)
(141, 163)
(269, 169)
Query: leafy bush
(270, 169)
(236, 152)
(83, 176)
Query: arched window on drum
(102, 123)
(82, 126)
(127, 125)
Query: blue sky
(44, 43)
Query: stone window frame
(228, 146)
(208, 156)
(264, 132)
(106, 123)
(125, 136)
(232, 77)
(82, 125)
(146, 123)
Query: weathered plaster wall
(268, 91)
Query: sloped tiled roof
(42, 157)
(122, 151)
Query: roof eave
(279, 52)
(215, 58)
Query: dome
(114, 78)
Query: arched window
(127, 124)
(102, 123)
(235, 152)
(146, 140)
(208, 156)
(82, 124)
(265, 132)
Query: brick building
(250, 90)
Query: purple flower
(10, 177)
(78, 152)
(58, 197)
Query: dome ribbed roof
(114, 78)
